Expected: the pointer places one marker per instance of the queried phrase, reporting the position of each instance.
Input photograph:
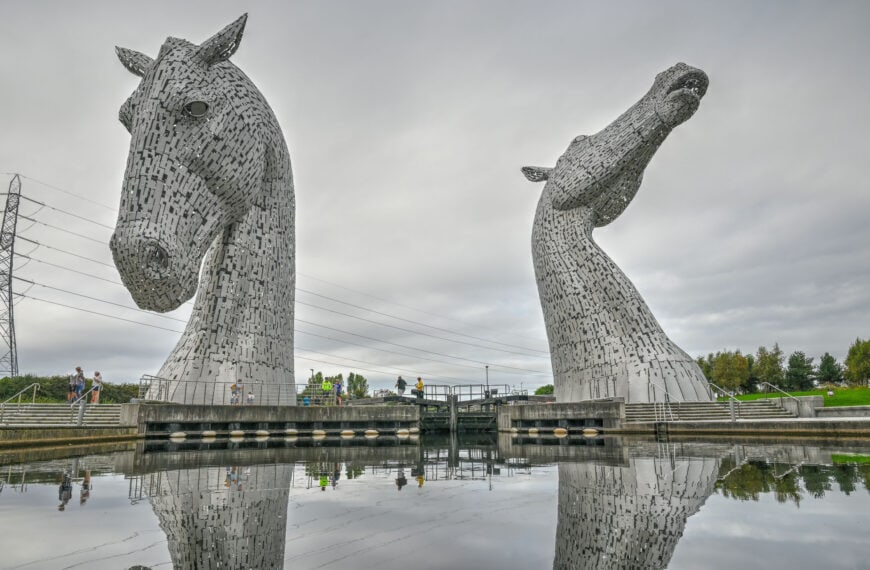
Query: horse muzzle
(159, 272)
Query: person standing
(338, 392)
(78, 382)
(71, 390)
(419, 387)
(400, 386)
(96, 388)
(326, 388)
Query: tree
(830, 371)
(706, 366)
(730, 370)
(800, 373)
(768, 365)
(858, 363)
(545, 390)
(357, 386)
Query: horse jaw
(158, 255)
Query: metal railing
(731, 400)
(778, 389)
(661, 408)
(227, 393)
(82, 403)
(36, 386)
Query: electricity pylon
(8, 349)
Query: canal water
(468, 503)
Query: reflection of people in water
(234, 478)
(324, 476)
(400, 480)
(64, 492)
(336, 474)
(85, 493)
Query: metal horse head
(194, 148)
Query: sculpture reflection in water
(631, 514)
(223, 517)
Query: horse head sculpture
(208, 177)
(604, 340)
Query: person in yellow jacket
(419, 387)
(326, 388)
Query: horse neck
(248, 281)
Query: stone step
(693, 411)
(30, 415)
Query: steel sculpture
(209, 184)
(604, 341)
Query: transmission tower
(8, 349)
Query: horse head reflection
(629, 511)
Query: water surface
(440, 503)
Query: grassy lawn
(840, 458)
(841, 397)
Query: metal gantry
(8, 348)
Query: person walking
(96, 387)
(400, 386)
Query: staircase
(707, 411)
(43, 415)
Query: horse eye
(196, 109)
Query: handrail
(665, 405)
(36, 387)
(778, 389)
(729, 395)
(78, 400)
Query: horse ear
(537, 173)
(135, 62)
(223, 44)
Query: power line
(68, 213)
(421, 333)
(491, 365)
(419, 323)
(400, 370)
(66, 252)
(101, 242)
(137, 309)
(96, 313)
(307, 276)
(53, 187)
(90, 276)
(387, 351)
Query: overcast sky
(408, 123)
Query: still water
(604, 503)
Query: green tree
(830, 371)
(751, 384)
(706, 366)
(357, 386)
(768, 365)
(730, 370)
(800, 373)
(544, 390)
(858, 363)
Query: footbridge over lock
(457, 408)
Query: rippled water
(606, 503)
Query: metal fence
(253, 393)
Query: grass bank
(841, 397)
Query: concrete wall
(18, 436)
(843, 412)
(612, 413)
(804, 407)
(189, 417)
